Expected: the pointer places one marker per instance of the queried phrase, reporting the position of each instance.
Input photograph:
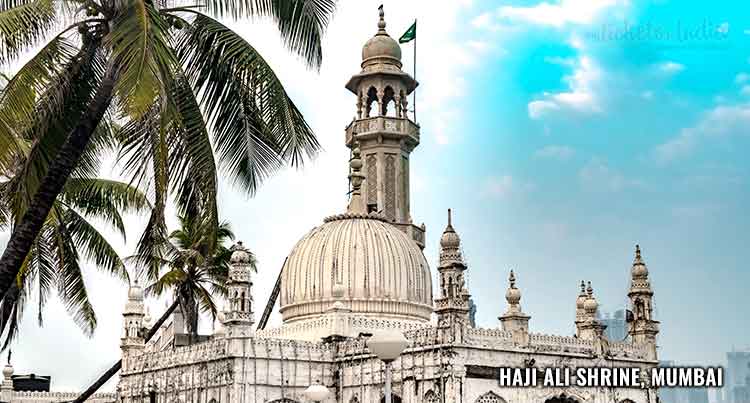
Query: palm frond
(91, 244)
(191, 156)
(71, 287)
(139, 41)
(105, 199)
(255, 125)
(24, 26)
(300, 22)
(19, 96)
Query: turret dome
(381, 48)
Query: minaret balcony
(385, 127)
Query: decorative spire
(639, 271)
(381, 23)
(513, 295)
(450, 243)
(356, 204)
(591, 305)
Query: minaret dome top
(381, 48)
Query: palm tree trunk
(113, 370)
(25, 232)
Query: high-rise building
(617, 328)
(737, 386)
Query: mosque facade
(364, 271)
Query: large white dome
(382, 272)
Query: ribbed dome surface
(381, 271)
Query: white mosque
(363, 272)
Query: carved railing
(627, 350)
(555, 343)
(200, 352)
(382, 124)
(37, 397)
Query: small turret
(132, 340)
(6, 389)
(452, 307)
(514, 320)
(239, 315)
(580, 310)
(643, 328)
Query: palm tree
(196, 270)
(182, 84)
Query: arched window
(284, 400)
(394, 399)
(431, 397)
(490, 397)
(354, 399)
(561, 399)
(389, 102)
(372, 96)
(152, 397)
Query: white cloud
(745, 90)
(483, 20)
(647, 95)
(538, 109)
(721, 121)
(575, 12)
(723, 28)
(741, 78)
(598, 176)
(581, 97)
(671, 67)
(556, 152)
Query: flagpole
(414, 95)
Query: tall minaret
(452, 307)
(239, 314)
(385, 134)
(643, 328)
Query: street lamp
(387, 345)
(316, 392)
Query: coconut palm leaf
(255, 125)
(300, 22)
(24, 26)
(139, 42)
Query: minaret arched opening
(372, 96)
(389, 103)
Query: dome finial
(512, 279)
(381, 23)
(450, 218)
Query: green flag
(410, 34)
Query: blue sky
(562, 133)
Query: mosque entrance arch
(562, 399)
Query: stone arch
(394, 398)
(563, 398)
(372, 96)
(212, 401)
(490, 397)
(389, 102)
(431, 397)
(354, 399)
